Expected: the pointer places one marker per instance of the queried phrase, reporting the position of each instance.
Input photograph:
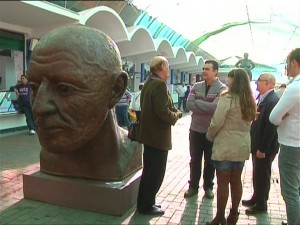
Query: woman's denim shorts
(228, 165)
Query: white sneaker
(31, 132)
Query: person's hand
(179, 114)
(256, 115)
(260, 155)
(285, 116)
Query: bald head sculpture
(76, 77)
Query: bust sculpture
(76, 78)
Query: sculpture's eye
(34, 87)
(65, 89)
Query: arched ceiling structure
(33, 18)
(98, 18)
(266, 29)
(134, 42)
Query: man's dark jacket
(263, 133)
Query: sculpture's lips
(49, 129)
(49, 125)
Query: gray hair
(270, 78)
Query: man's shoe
(284, 223)
(31, 132)
(256, 210)
(248, 203)
(190, 192)
(209, 194)
(153, 211)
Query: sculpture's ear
(118, 88)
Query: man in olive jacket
(157, 115)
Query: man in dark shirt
(23, 92)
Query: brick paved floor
(19, 154)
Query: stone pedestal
(112, 198)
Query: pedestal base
(112, 198)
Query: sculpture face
(69, 103)
(76, 79)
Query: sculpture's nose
(43, 102)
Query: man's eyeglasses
(260, 80)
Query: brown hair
(214, 63)
(294, 54)
(241, 87)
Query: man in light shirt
(286, 114)
(181, 89)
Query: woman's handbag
(133, 131)
(132, 115)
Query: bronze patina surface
(76, 77)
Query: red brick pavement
(19, 154)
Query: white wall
(7, 72)
(18, 60)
